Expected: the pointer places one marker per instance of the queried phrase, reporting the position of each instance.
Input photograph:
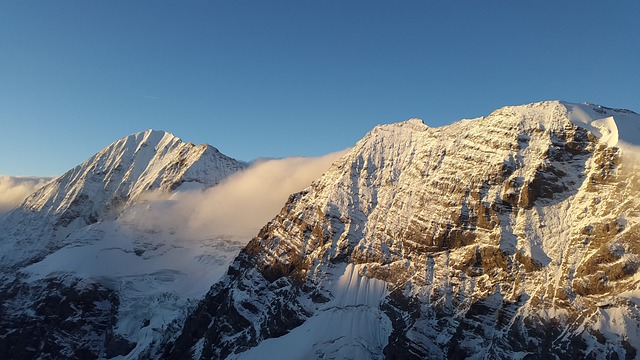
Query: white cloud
(14, 189)
(239, 206)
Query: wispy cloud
(150, 97)
(14, 189)
(239, 206)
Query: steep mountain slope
(511, 236)
(82, 278)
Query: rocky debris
(59, 318)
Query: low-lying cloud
(14, 189)
(237, 207)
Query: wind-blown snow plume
(238, 207)
(14, 189)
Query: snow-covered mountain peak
(132, 165)
(106, 184)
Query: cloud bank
(238, 207)
(14, 189)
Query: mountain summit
(513, 235)
(125, 170)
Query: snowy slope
(83, 278)
(351, 326)
(504, 237)
(156, 276)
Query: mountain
(83, 277)
(511, 236)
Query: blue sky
(283, 78)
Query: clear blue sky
(282, 78)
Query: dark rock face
(58, 318)
(254, 307)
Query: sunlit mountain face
(508, 236)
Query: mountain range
(510, 236)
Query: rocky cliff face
(76, 282)
(510, 236)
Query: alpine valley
(510, 236)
